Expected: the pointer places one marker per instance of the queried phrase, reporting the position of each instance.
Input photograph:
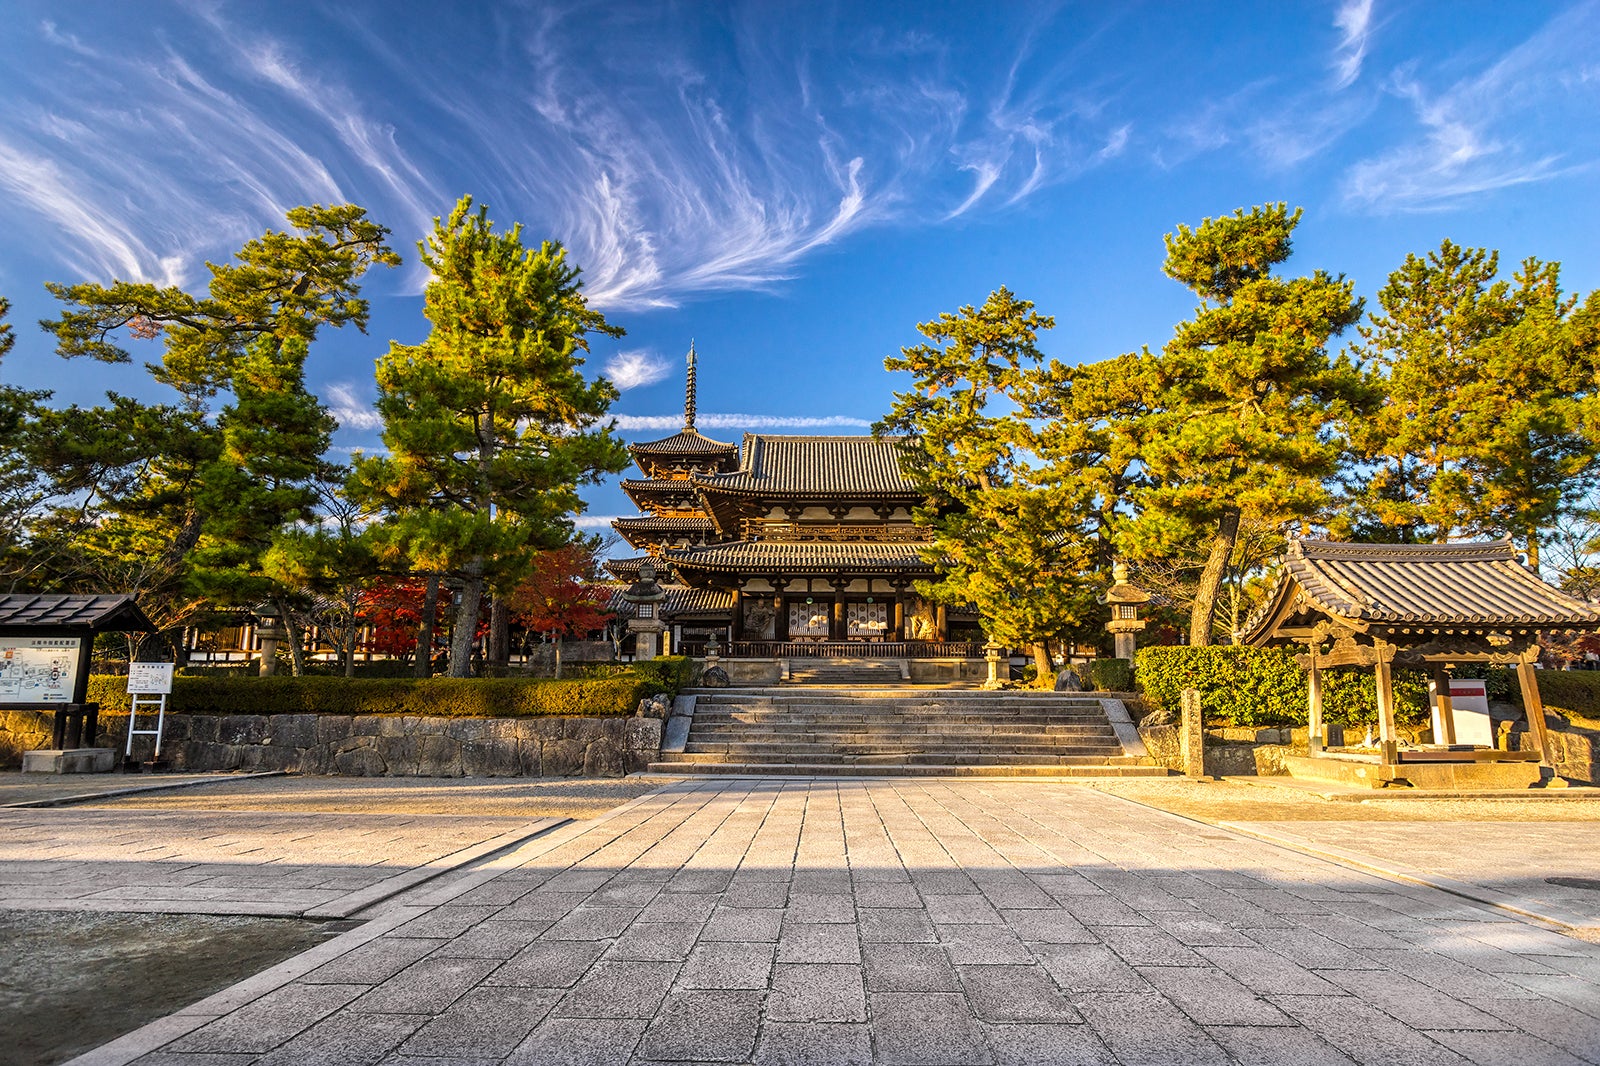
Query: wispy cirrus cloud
(351, 410)
(1354, 22)
(672, 156)
(631, 369)
(1521, 120)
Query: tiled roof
(628, 569)
(1481, 584)
(689, 442)
(681, 601)
(671, 524)
(815, 466)
(780, 557)
(96, 614)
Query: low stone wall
(375, 745)
(935, 670)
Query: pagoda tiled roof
(833, 467)
(688, 442)
(788, 557)
(91, 614)
(1481, 585)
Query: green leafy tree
(22, 490)
(1241, 407)
(180, 501)
(1486, 425)
(1003, 534)
(489, 422)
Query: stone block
(561, 758)
(334, 728)
(359, 762)
(243, 729)
(203, 728)
(400, 753)
(69, 761)
(491, 758)
(530, 758)
(604, 758)
(293, 730)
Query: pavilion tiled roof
(95, 614)
(688, 442)
(1449, 585)
(628, 569)
(834, 467)
(785, 557)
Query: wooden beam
(1533, 705)
(1439, 691)
(1388, 737)
(1314, 703)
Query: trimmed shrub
(1574, 691)
(666, 673)
(1266, 687)
(1109, 675)
(450, 697)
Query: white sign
(149, 679)
(38, 669)
(1469, 710)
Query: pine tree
(1241, 404)
(489, 422)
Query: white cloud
(597, 521)
(717, 421)
(631, 369)
(1354, 22)
(351, 411)
(1488, 131)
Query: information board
(38, 669)
(149, 679)
(1469, 704)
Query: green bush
(449, 697)
(1574, 691)
(1109, 675)
(1265, 686)
(666, 673)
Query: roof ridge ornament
(689, 390)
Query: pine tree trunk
(423, 667)
(1533, 550)
(499, 634)
(1205, 597)
(297, 652)
(1041, 662)
(466, 624)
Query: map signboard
(38, 669)
(149, 679)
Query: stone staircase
(902, 731)
(854, 672)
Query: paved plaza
(906, 921)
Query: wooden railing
(840, 532)
(854, 649)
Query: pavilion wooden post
(736, 628)
(1316, 740)
(1388, 736)
(1439, 689)
(1533, 705)
(942, 623)
(899, 615)
(836, 629)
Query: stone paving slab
(18, 789)
(1510, 864)
(1026, 923)
(221, 862)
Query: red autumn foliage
(559, 596)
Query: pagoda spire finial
(688, 392)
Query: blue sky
(794, 186)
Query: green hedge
(443, 696)
(667, 673)
(1110, 675)
(1575, 691)
(1265, 686)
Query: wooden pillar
(1314, 704)
(1533, 704)
(941, 623)
(899, 617)
(836, 627)
(780, 624)
(1439, 691)
(736, 629)
(1388, 737)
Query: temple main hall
(785, 546)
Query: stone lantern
(270, 629)
(1125, 601)
(646, 625)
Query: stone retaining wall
(375, 745)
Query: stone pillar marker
(1192, 735)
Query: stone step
(713, 759)
(864, 770)
(790, 752)
(928, 734)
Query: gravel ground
(18, 787)
(1239, 801)
(72, 981)
(479, 796)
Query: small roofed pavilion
(1420, 606)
